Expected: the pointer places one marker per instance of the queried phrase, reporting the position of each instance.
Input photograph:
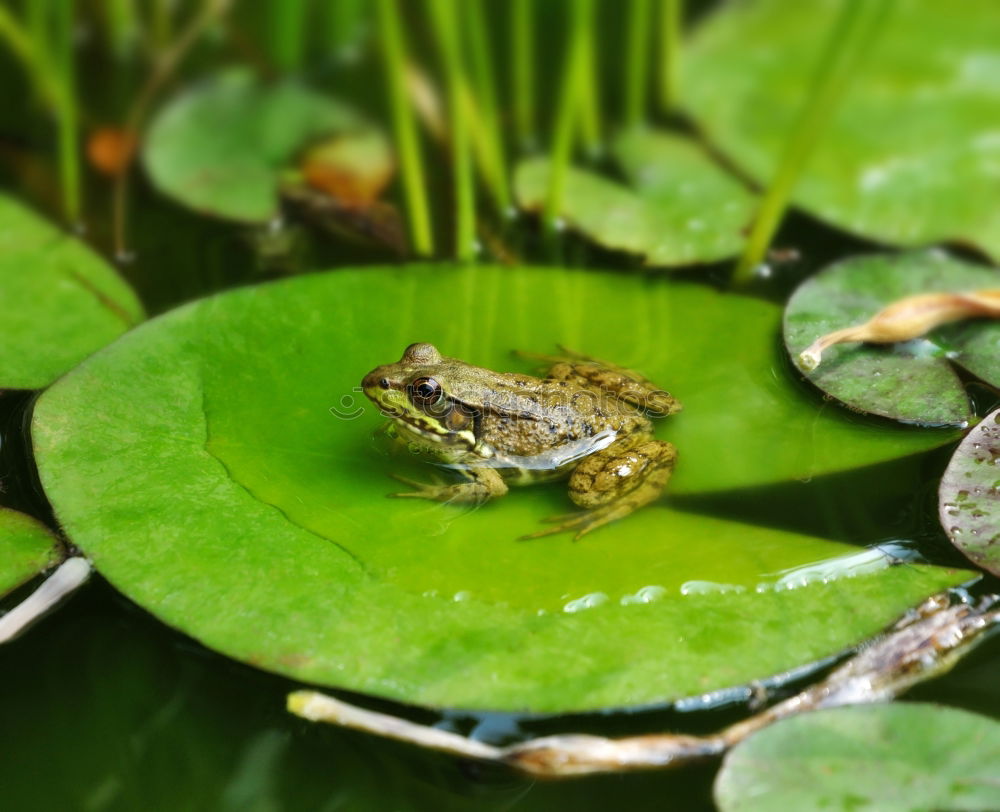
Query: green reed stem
(444, 19)
(590, 93)
(67, 117)
(38, 19)
(288, 33)
(671, 17)
(522, 59)
(345, 23)
(404, 124)
(849, 41)
(637, 48)
(573, 84)
(488, 135)
(32, 53)
(160, 24)
(122, 25)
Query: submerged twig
(907, 319)
(67, 578)
(924, 643)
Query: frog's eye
(425, 391)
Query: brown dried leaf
(907, 319)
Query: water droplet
(707, 587)
(647, 594)
(462, 595)
(588, 601)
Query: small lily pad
(969, 496)
(59, 301)
(229, 483)
(911, 156)
(903, 757)
(678, 208)
(27, 548)
(221, 147)
(913, 381)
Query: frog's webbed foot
(627, 384)
(582, 522)
(482, 486)
(613, 483)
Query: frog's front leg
(614, 482)
(482, 484)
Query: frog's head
(413, 392)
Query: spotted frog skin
(585, 420)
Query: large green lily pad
(912, 155)
(969, 496)
(895, 758)
(220, 147)
(679, 207)
(27, 548)
(59, 301)
(911, 381)
(231, 484)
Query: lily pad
(230, 484)
(679, 207)
(27, 548)
(904, 757)
(59, 301)
(221, 147)
(912, 155)
(969, 496)
(913, 381)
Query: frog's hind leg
(627, 384)
(482, 485)
(615, 482)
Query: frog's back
(530, 417)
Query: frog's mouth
(392, 403)
(431, 430)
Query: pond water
(106, 708)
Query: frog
(586, 421)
